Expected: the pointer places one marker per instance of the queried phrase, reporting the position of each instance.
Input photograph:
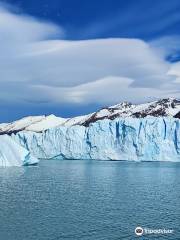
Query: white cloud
(175, 71)
(104, 91)
(167, 46)
(34, 68)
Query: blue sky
(81, 19)
(71, 57)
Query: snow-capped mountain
(32, 123)
(160, 108)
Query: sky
(71, 57)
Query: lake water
(89, 200)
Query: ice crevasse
(13, 154)
(136, 139)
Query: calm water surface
(98, 200)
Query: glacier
(12, 154)
(133, 139)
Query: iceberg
(134, 139)
(12, 154)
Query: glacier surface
(13, 154)
(136, 139)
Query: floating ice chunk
(13, 154)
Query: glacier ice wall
(13, 154)
(145, 139)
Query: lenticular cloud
(38, 68)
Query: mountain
(32, 123)
(161, 108)
(168, 107)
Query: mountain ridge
(167, 107)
